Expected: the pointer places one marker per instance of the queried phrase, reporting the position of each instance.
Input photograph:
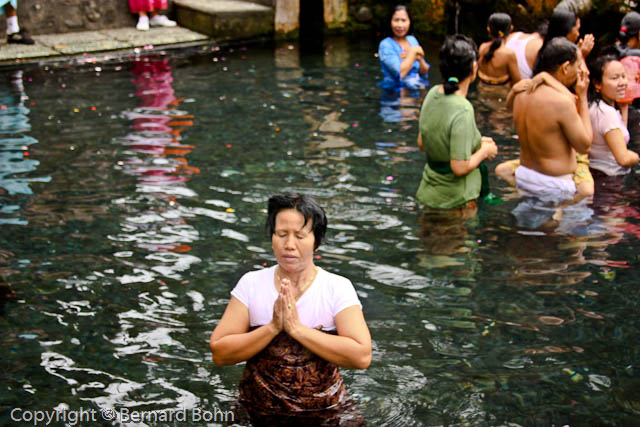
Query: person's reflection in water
(158, 126)
(546, 215)
(491, 106)
(400, 105)
(445, 236)
(158, 158)
(14, 150)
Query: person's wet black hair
(457, 55)
(629, 27)
(542, 28)
(561, 23)
(596, 71)
(499, 27)
(303, 203)
(554, 54)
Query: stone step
(225, 19)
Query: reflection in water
(490, 105)
(156, 156)
(570, 218)
(14, 150)
(444, 235)
(400, 105)
(154, 222)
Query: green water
(133, 196)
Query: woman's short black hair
(457, 55)
(306, 205)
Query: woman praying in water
(295, 324)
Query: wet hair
(499, 27)
(554, 54)
(543, 28)
(629, 27)
(303, 203)
(457, 55)
(561, 23)
(596, 72)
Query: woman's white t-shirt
(605, 118)
(327, 296)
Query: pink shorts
(147, 5)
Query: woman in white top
(294, 323)
(526, 47)
(609, 153)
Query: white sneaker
(162, 21)
(143, 23)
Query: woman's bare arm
(231, 342)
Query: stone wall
(64, 16)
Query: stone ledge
(222, 6)
(225, 19)
(54, 46)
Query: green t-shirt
(449, 131)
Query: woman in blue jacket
(401, 56)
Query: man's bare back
(550, 127)
(543, 144)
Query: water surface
(133, 196)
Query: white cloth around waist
(535, 184)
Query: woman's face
(574, 34)
(400, 23)
(614, 82)
(293, 241)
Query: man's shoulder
(546, 97)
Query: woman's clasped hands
(489, 147)
(285, 312)
(417, 51)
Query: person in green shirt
(448, 132)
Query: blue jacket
(389, 55)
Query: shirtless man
(550, 128)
